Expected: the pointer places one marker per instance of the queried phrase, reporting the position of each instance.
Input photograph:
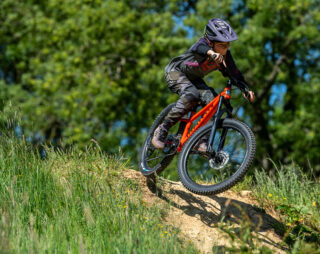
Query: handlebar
(235, 81)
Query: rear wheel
(154, 160)
(206, 174)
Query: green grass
(79, 202)
(295, 195)
(76, 201)
(293, 189)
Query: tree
(86, 69)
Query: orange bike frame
(205, 113)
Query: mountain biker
(184, 75)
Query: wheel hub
(219, 161)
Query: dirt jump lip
(201, 218)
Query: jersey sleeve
(201, 47)
(235, 72)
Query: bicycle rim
(155, 160)
(209, 170)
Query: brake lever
(247, 96)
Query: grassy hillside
(79, 202)
(292, 192)
(75, 202)
(295, 197)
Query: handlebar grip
(246, 93)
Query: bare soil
(205, 219)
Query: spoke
(156, 158)
(232, 158)
(150, 152)
(232, 145)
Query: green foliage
(86, 69)
(296, 198)
(245, 184)
(78, 202)
(296, 131)
(292, 191)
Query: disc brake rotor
(220, 160)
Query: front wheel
(207, 174)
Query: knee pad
(207, 97)
(190, 100)
(192, 95)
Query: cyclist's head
(218, 30)
(220, 47)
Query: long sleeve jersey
(195, 63)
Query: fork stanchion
(214, 128)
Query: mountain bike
(230, 146)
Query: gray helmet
(219, 30)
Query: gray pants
(190, 92)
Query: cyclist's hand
(250, 96)
(218, 58)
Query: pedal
(171, 144)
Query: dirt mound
(199, 217)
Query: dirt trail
(198, 216)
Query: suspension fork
(225, 130)
(222, 139)
(214, 128)
(217, 118)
